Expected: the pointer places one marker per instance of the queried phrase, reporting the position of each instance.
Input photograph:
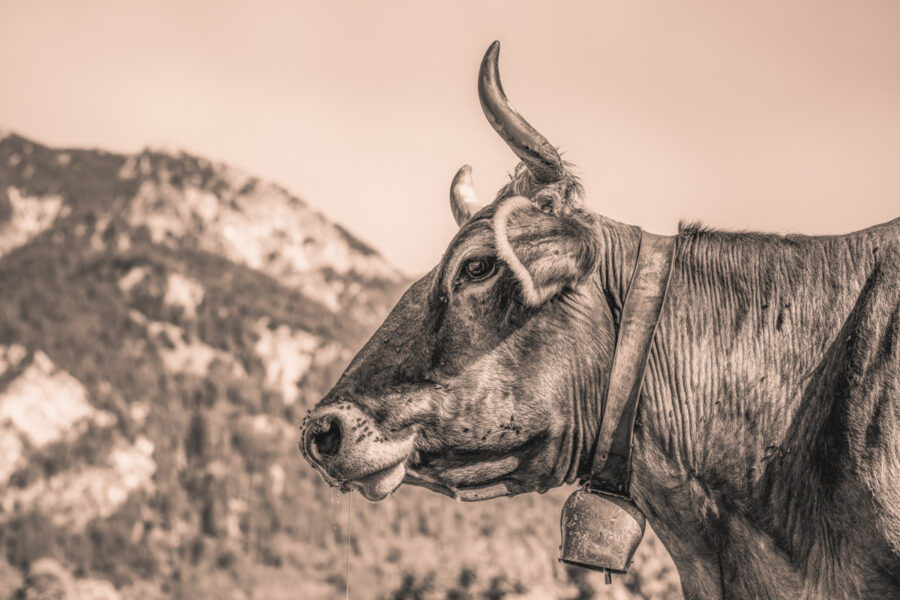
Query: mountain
(165, 322)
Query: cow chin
(467, 480)
(466, 493)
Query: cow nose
(323, 439)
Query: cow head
(483, 380)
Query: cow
(766, 450)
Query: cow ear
(547, 251)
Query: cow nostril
(327, 440)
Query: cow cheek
(471, 419)
(472, 328)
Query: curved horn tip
(541, 157)
(493, 50)
(464, 171)
(490, 68)
(463, 201)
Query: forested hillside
(165, 323)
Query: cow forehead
(478, 235)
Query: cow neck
(611, 468)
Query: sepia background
(207, 207)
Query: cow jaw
(467, 493)
(465, 479)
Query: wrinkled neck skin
(719, 429)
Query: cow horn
(536, 152)
(463, 201)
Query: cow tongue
(378, 485)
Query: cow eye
(478, 268)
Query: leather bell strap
(611, 470)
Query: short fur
(767, 449)
(771, 415)
(767, 445)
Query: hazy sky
(774, 115)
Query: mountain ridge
(145, 297)
(165, 321)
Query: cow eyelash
(478, 269)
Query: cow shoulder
(860, 440)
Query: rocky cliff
(164, 322)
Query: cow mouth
(379, 484)
(375, 468)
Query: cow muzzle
(350, 451)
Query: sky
(760, 115)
